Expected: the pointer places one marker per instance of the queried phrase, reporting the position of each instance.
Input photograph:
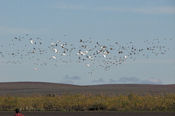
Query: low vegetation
(80, 102)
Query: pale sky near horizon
(118, 20)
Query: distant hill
(43, 88)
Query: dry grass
(80, 102)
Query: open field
(37, 96)
(91, 113)
(80, 102)
(40, 88)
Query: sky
(100, 20)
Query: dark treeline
(80, 102)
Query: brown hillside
(43, 88)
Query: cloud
(112, 81)
(151, 81)
(135, 80)
(67, 82)
(129, 79)
(156, 10)
(140, 10)
(100, 80)
(67, 77)
(70, 79)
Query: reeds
(80, 102)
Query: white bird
(90, 57)
(55, 50)
(53, 44)
(32, 41)
(35, 69)
(54, 57)
(88, 65)
(104, 55)
(63, 54)
(125, 57)
(86, 52)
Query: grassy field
(36, 96)
(80, 102)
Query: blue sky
(118, 20)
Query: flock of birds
(92, 54)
